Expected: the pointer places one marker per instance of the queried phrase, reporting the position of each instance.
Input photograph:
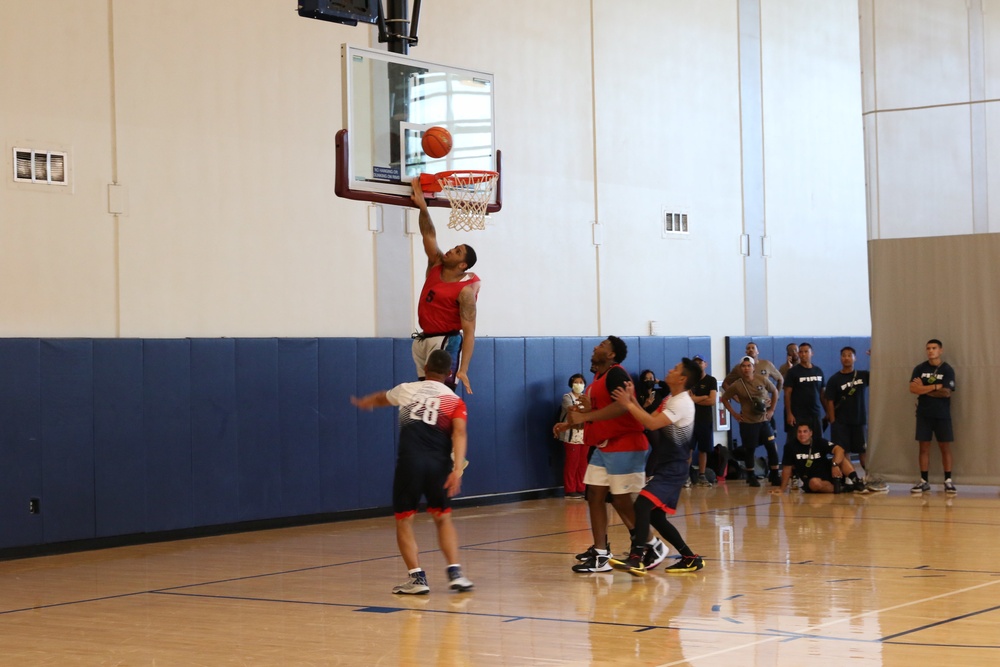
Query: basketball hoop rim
(472, 175)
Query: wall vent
(42, 167)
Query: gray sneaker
(457, 581)
(921, 487)
(415, 585)
(876, 484)
(949, 487)
(703, 481)
(460, 584)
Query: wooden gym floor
(885, 579)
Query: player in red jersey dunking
(432, 445)
(446, 312)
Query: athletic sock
(923, 475)
(947, 474)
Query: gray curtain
(946, 287)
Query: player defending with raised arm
(659, 496)
(446, 312)
(432, 421)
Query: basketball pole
(397, 14)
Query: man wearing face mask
(572, 439)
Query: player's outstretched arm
(427, 231)
(377, 399)
(467, 313)
(625, 397)
(459, 444)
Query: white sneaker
(655, 554)
(457, 580)
(596, 563)
(460, 584)
(949, 487)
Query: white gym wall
(217, 119)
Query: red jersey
(437, 312)
(623, 433)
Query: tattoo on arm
(467, 306)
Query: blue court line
(778, 588)
(505, 617)
(793, 636)
(55, 605)
(282, 572)
(994, 646)
(926, 568)
(942, 622)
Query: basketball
(436, 142)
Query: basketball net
(469, 193)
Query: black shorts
(664, 488)
(418, 477)
(849, 436)
(939, 428)
(703, 440)
(821, 469)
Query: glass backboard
(389, 101)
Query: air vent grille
(43, 167)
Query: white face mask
(578, 388)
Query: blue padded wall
(542, 391)
(340, 447)
(126, 436)
(166, 434)
(509, 411)
(119, 447)
(483, 476)
(66, 370)
(257, 429)
(376, 429)
(20, 441)
(298, 426)
(215, 494)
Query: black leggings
(647, 513)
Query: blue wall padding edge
(119, 446)
(20, 441)
(119, 437)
